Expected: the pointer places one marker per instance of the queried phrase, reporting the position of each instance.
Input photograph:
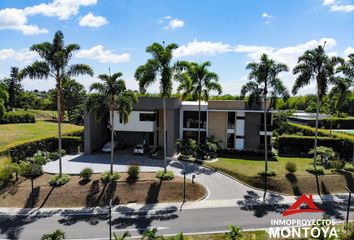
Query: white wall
(134, 124)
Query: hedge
(301, 145)
(20, 151)
(14, 117)
(337, 123)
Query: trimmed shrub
(107, 177)
(56, 180)
(14, 117)
(86, 174)
(169, 175)
(319, 170)
(19, 151)
(338, 164)
(349, 168)
(270, 173)
(133, 171)
(291, 167)
(6, 170)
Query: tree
(315, 65)
(56, 235)
(326, 153)
(264, 80)
(31, 170)
(14, 87)
(121, 237)
(111, 96)
(339, 94)
(196, 80)
(151, 234)
(4, 97)
(54, 63)
(235, 233)
(159, 66)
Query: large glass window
(194, 135)
(147, 117)
(231, 120)
(261, 140)
(190, 119)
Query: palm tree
(151, 234)
(159, 66)
(315, 65)
(339, 93)
(196, 80)
(111, 95)
(235, 233)
(264, 80)
(56, 235)
(55, 64)
(121, 237)
(348, 67)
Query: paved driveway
(220, 187)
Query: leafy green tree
(111, 96)
(121, 237)
(315, 65)
(56, 235)
(324, 152)
(235, 233)
(54, 63)
(31, 170)
(159, 66)
(4, 97)
(264, 79)
(196, 80)
(14, 87)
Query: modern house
(238, 125)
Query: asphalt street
(169, 220)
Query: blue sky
(229, 33)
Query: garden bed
(146, 189)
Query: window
(269, 118)
(231, 120)
(261, 140)
(147, 117)
(157, 118)
(230, 140)
(194, 135)
(120, 118)
(190, 119)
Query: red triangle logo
(295, 208)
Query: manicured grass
(40, 114)
(24, 132)
(246, 168)
(254, 235)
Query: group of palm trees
(195, 82)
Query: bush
(133, 171)
(6, 170)
(14, 117)
(270, 173)
(338, 164)
(107, 177)
(291, 167)
(56, 180)
(349, 168)
(86, 174)
(19, 151)
(169, 175)
(319, 170)
(55, 155)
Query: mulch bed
(76, 193)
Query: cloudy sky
(229, 33)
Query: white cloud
(197, 48)
(15, 19)
(63, 9)
(268, 18)
(91, 20)
(22, 55)
(172, 23)
(104, 56)
(338, 6)
(348, 50)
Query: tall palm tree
(54, 63)
(339, 93)
(264, 79)
(348, 67)
(56, 235)
(158, 68)
(315, 65)
(111, 95)
(196, 80)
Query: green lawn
(24, 132)
(254, 235)
(40, 114)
